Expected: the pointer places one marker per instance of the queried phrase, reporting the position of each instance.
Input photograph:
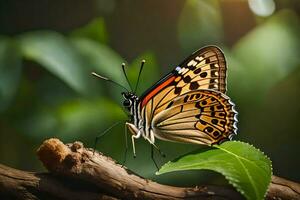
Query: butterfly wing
(205, 69)
(201, 116)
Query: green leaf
(55, 53)
(94, 30)
(244, 166)
(10, 71)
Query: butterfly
(187, 105)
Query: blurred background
(49, 48)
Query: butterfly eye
(127, 103)
(124, 95)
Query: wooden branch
(78, 173)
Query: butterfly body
(136, 125)
(188, 105)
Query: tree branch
(78, 173)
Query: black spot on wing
(212, 66)
(177, 90)
(214, 121)
(198, 96)
(174, 83)
(170, 104)
(221, 114)
(197, 105)
(192, 96)
(212, 80)
(202, 122)
(203, 74)
(187, 79)
(192, 67)
(216, 133)
(186, 98)
(209, 129)
(194, 86)
(197, 71)
(214, 73)
(219, 107)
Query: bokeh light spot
(262, 8)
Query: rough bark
(79, 173)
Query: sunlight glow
(262, 8)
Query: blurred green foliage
(46, 87)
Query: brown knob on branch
(79, 173)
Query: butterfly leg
(133, 144)
(160, 152)
(136, 133)
(126, 146)
(157, 148)
(103, 133)
(151, 141)
(152, 156)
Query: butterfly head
(129, 98)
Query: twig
(77, 173)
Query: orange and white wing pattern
(205, 69)
(201, 116)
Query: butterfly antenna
(140, 72)
(107, 79)
(124, 72)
